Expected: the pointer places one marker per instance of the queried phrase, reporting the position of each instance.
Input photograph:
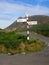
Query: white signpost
(22, 20)
(32, 22)
(28, 23)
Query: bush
(17, 43)
(3, 49)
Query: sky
(10, 10)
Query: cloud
(16, 9)
(10, 11)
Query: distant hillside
(40, 18)
(22, 26)
(0, 29)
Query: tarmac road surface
(39, 58)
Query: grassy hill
(41, 28)
(12, 42)
(20, 26)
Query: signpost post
(28, 24)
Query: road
(38, 36)
(39, 58)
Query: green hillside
(42, 29)
(41, 19)
(12, 42)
